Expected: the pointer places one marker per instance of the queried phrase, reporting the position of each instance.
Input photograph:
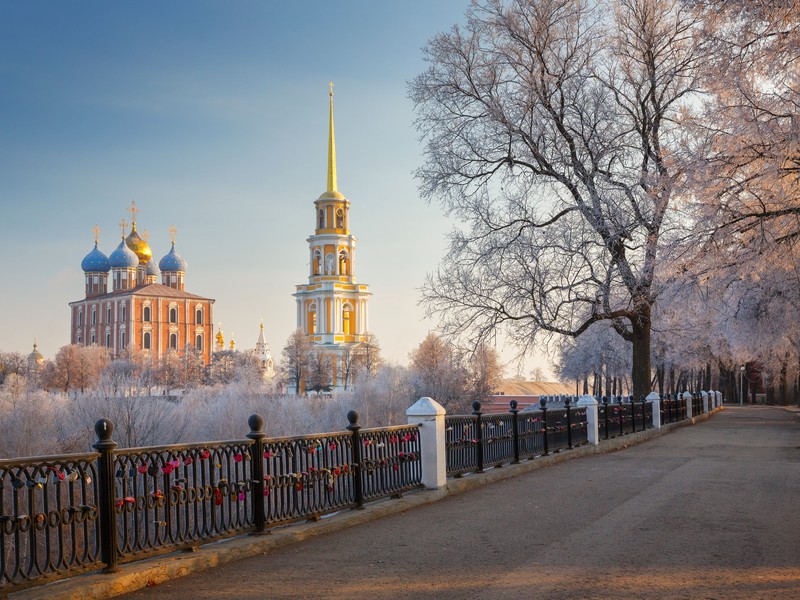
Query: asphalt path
(710, 511)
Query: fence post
(719, 398)
(632, 398)
(106, 489)
(515, 424)
(655, 399)
(569, 422)
(687, 399)
(256, 423)
(476, 411)
(706, 408)
(592, 419)
(430, 416)
(543, 406)
(358, 467)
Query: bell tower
(332, 307)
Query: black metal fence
(477, 441)
(622, 415)
(64, 515)
(673, 408)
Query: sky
(212, 116)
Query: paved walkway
(710, 511)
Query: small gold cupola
(135, 242)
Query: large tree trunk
(640, 372)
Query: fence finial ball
(256, 422)
(104, 428)
(352, 417)
(543, 401)
(514, 404)
(476, 405)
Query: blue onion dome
(172, 261)
(152, 268)
(123, 257)
(95, 262)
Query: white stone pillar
(655, 398)
(429, 414)
(705, 402)
(719, 398)
(592, 425)
(687, 398)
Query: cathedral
(139, 313)
(332, 306)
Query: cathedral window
(93, 340)
(312, 320)
(321, 219)
(146, 340)
(343, 270)
(108, 314)
(122, 314)
(147, 314)
(94, 318)
(317, 263)
(173, 314)
(173, 341)
(340, 218)
(80, 317)
(346, 320)
(198, 316)
(108, 340)
(122, 340)
(198, 343)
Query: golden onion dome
(139, 246)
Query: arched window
(321, 219)
(198, 316)
(93, 340)
(198, 343)
(340, 218)
(347, 327)
(173, 341)
(108, 340)
(173, 314)
(108, 314)
(122, 313)
(146, 340)
(94, 316)
(147, 314)
(122, 340)
(317, 262)
(343, 263)
(80, 317)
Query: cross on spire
(331, 86)
(133, 210)
(145, 235)
(172, 232)
(96, 233)
(123, 225)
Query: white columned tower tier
(332, 308)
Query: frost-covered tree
(295, 359)
(550, 130)
(76, 368)
(437, 372)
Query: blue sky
(212, 116)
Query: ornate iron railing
(63, 515)
(477, 441)
(48, 518)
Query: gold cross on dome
(145, 235)
(96, 233)
(133, 210)
(172, 232)
(331, 86)
(123, 225)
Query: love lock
(152, 470)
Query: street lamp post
(741, 385)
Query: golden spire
(331, 149)
(97, 234)
(331, 192)
(233, 343)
